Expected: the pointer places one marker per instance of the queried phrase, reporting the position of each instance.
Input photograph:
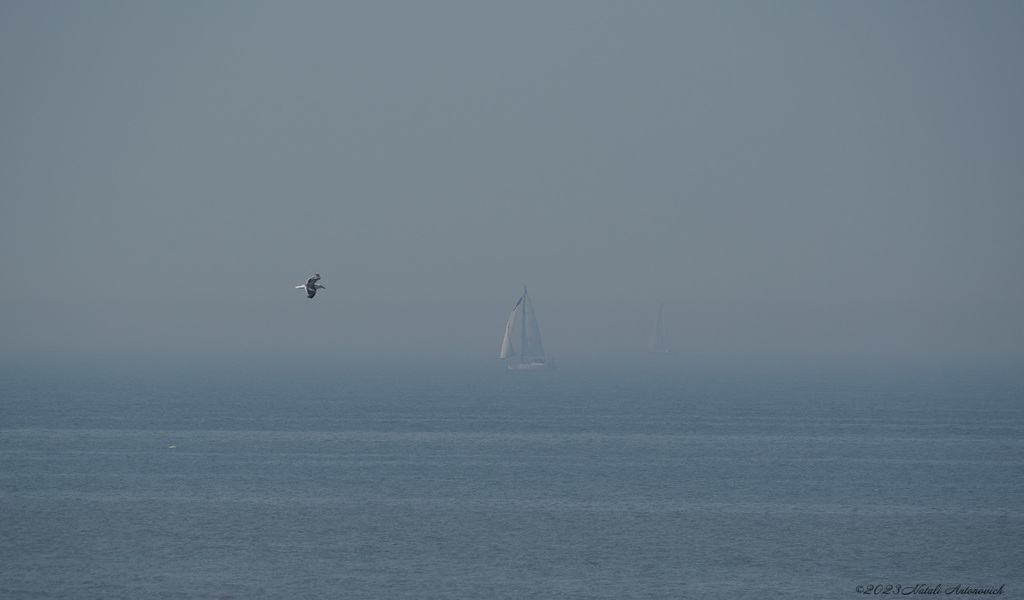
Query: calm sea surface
(638, 481)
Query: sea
(652, 477)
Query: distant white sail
(506, 345)
(532, 346)
(522, 328)
(658, 344)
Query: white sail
(532, 346)
(658, 344)
(522, 330)
(506, 345)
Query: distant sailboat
(522, 327)
(658, 344)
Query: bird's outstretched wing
(312, 280)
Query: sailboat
(522, 329)
(658, 344)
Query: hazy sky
(797, 178)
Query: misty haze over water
(792, 179)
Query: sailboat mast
(522, 332)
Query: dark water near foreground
(412, 483)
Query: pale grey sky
(796, 178)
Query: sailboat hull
(532, 366)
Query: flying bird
(311, 285)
